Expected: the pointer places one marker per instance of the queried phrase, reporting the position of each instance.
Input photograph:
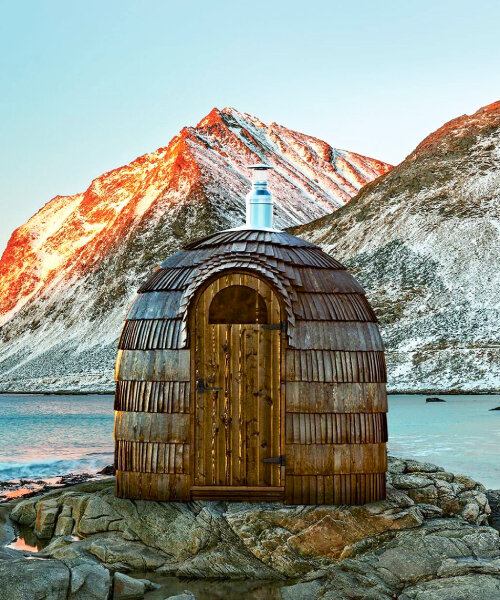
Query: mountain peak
(67, 274)
(451, 136)
(214, 116)
(424, 241)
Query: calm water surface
(46, 436)
(462, 434)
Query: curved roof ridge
(281, 238)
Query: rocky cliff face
(424, 239)
(68, 274)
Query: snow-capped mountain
(424, 239)
(68, 274)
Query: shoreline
(91, 531)
(24, 487)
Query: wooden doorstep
(237, 493)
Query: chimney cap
(260, 167)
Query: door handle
(201, 387)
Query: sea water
(44, 436)
(462, 434)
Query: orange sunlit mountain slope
(67, 274)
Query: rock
(63, 548)
(24, 513)
(33, 579)
(99, 516)
(452, 567)
(455, 495)
(434, 399)
(117, 553)
(413, 466)
(75, 503)
(127, 588)
(37, 579)
(411, 482)
(396, 465)
(75, 478)
(64, 525)
(46, 514)
(493, 497)
(397, 565)
(294, 541)
(109, 470)
(186, 595)
(470, 512)
(89, 580)
(472, 587)
(430, 511)
(226, 560)
(150, 585)
(399, 497)
(308, 590)
(496, 408)
(432, 525)
(467, 482)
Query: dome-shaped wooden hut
(251, 367)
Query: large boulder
(88, 581)
(127, 588)
(469, 587)
(494, 502)
(439, 548)
(36, 579)
(46, 517)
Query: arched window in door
(237, 304)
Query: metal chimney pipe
(259, 200)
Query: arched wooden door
(237, 390)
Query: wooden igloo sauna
(251, 367)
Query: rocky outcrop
(72, 578)
(494, 502)
(217, 539)
(53, 580)
(429, 535)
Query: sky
(88, 86)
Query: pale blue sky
(88, 86)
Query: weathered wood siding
(313, 392)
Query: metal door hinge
(275, 460)
(201, 387)
(281, 326)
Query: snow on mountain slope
(69, 273)
(425, 241)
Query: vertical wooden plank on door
(238, 362)
(225, 416)
(199, 408)
(237, 477)
(275, 387)
(261, 397)
(219, 396)
(252, 405)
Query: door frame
(235, 493)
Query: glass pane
(237, 304)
